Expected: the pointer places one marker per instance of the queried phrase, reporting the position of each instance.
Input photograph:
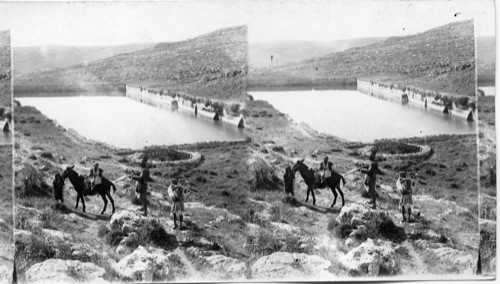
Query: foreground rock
(215, 266)
(29, 181)
(64, 271)
(371, 258)
(447, 259)
(287, 266)
(150, 265)
(368, 223)
(138, 230)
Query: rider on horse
(95, 176)
(325, 169)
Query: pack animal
(310, 178)
(82, 186)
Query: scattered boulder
(64, 271)
(287, 266)
(375, 222)
(447, 259)
(148, 265)
(136, 229)
(262, 175)
(215, 266)
(29, 182)
(371, 258)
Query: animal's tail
(343, 180)
(114, 187)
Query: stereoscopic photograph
(252, 141)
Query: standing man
(177, 192)
(371, 178)
(142, 185)
(405, 184)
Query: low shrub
(218, 107)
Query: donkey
(82, 186)
(312, 182)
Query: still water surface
(125, 123)
(488, 90)
(358, 117)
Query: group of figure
(325, 171)
(96, 180)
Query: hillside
(486, 56)
(38, 58)
(441, 59)
(239, 224)
(5, 71)
(259, 53)
(213, 65)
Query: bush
(218, 107)
(114, 237)
(462, 102)
(447, 102)
(233, 109)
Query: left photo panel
(6, 213)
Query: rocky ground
(487, 173)
(239, 224)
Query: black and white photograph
(212, 141)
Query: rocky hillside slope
(259, 53)
(486, 56)
(239, 224)
(441, 59)
(213, 65)
(38, 58)
(5, 69)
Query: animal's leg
(77, 200)
(307, 197)
(334, 196)
(83, 202)
(341, 194)
(105, 203)
(314, 197)
(111, 199)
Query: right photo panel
(486, 56)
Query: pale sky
(111, 23)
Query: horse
(312, 182)
(83, 186)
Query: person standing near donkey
(142, 185)
(288, 177)
(371, 178)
